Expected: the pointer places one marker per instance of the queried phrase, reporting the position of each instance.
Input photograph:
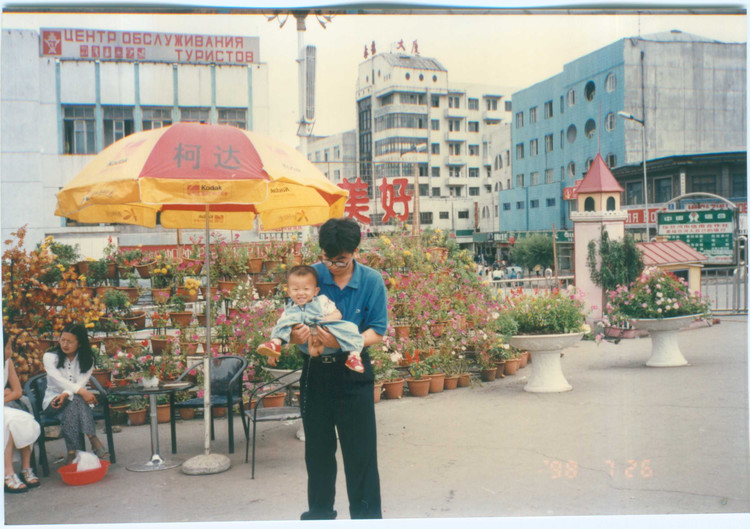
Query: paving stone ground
(628, 440)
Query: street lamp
(642, 123)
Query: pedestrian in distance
(21, 430)
(69, 366)
(336, 399)
(314, 310)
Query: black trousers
(334, 397)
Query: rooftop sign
(107, 45)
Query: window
(550, 202)
(705, 184)
(400, 120)
(473, 126)
(444, 215)
(610, 82)
(534, 203)
(422, 168)
(508, 106)
(453, 102)
(435, 101)
(611, 160)
(548, 110)
(589, 162)
(235, 117)
(194, 115)
(519, 151)
(549, 176)
(424, 190)
(435, 172)
(507, 183)
(463, 214)
(454, 149)
(590, 128)
(155, 118)
(454, 171)
(588, 204)
(663, 189)
(435, 148)
(473, 150)
(610, 203)
(610, 121)
(435, 191)
(386, 100)
(519, 120)
(337, 152)
(562, 105)
(78, 129)
(589, 91)
(337, 175)
(118, 123)
(571, 97)
(498, 162)
(534, 178)
(520, 205)
(492, 104)
(532, 115)
(435, 124)
(634, 192)
(549, 143)
(519, 180)
(572, 170)
(506, 206)
(326, 155)
(397, 145)
(406, 98)
(473, 172)
(572, 133)
(425, 217)
(739, 186)
(473, 191)
(473, 103)
(534, 147)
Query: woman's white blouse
(67, 379)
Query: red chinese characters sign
(394, 199)
(98, 44)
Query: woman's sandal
(14, 485)
(101, 453)
(28, 477)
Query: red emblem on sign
(51, 42)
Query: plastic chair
(262, 414)
(226, 391)
(34, 389)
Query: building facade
(690, 92)
(335, 155)
(424, 135)
(67, 94)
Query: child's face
(302, 289)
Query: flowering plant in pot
(654, 295)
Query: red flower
(144, 343)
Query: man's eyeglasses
(337, 264)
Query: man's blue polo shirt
(363, 301)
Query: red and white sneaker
(270, 349)
(355, 364)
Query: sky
(511, 51)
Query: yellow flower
(283, 266)
(407, 252)
(89, 325)
(82, 277)
(158, 257)
(192, 291)
(60, 267)
(127, 303)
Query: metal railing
(726, 289)
(502, 287)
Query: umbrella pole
(207, 463)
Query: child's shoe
(270, 349)
(355, 364)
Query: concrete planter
(546, 373)
(665, 351)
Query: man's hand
(327, 339)
(300, 334)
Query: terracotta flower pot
(437, 328)
(163, 413)
(144, 270)
(137, 417)
(255, 265)
(488, 375)
(189, 348)
(118, 414)
(270, 265)
(180, 319)
(524, 358)
(437, 382)
(82, 267)
(500, 365)
(90, 291)
(394, 389)
(112, 344)
(159, 344)
(137, 321)
(275, 400)
(464, 380)
(214, 291)
(111, 269)
(186, 413)
(511, 365)
(161, 295)
(101, 291)
(103, 376)
(218, 411)
(266, 289)
(402, 332)
(193, 267)
(451, 382)
(378, 391)
(185, 294)
(133, 293)
(418, 387)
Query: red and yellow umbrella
(180, 169)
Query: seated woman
(21, 430)
(69, 365)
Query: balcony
(454, 136)
(493, 115)
(455, 113)
(454, 159)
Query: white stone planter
(665, 351)
(150, 382)
(546, 368)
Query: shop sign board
(709, 231)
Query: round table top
(164, 387)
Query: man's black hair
(340, 235)
(303, 270)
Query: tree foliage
(531, 251)
(621, 262)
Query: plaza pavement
(628, 440)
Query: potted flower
(189, 289)
(185, 413)
(103, 365)
(382, 367)
(177, 313)
(132, 290)
(97, 275)
(547, 323)
(194, 260)
(137, 411)
(162, 277)
(149, 366)
(662, 304)
(486, 365)
(119, 307)
(419, 381)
